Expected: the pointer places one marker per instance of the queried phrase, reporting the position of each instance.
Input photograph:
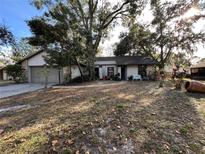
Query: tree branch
(105, 25)
(112, 15)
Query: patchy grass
(135, 117)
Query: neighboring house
(126, 66)
(198, 70)
(34, 66)
(3, 74)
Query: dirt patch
(135, 117)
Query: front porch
(106, 72)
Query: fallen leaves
(126, 118)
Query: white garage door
(38, 75)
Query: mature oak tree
(167, 32)
(88, 20)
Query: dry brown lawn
(134, 117)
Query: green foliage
(167, 33)
(115, 77)
(77, 26)
(181, 59)
(130, 78)
(15, 71)
(79, 79)
(6, 38)
(186, 129)
(33, 144)
(22, 49)
(121, 107)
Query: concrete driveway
(11, 90)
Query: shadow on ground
(128, 118)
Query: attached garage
(38, 75)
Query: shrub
(116, 77)
(15, 71)
(152, 75)
(79, 79)
(130, 78)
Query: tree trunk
(162, 75)
(59, 76)
(81, 72)
(91, 60)
(91, 71)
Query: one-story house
(105, 67)
(198, 70)
(125, 66)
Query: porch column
(119, 71)
(100, 72)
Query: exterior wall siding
(37, 60)
(5, 76)
(75, 71)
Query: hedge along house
(126, 66)
(198, 70)
(35, 72)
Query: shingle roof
(129, 60)
(201, 63)
(121, 60)
(105, 58)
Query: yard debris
(69, 142)
(103, 120)
(55, 142)
(1, 131)
(102, 132)
(193, 86)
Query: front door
(123, 72)
(142, 70)
(96, 73)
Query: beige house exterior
(36, 72)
